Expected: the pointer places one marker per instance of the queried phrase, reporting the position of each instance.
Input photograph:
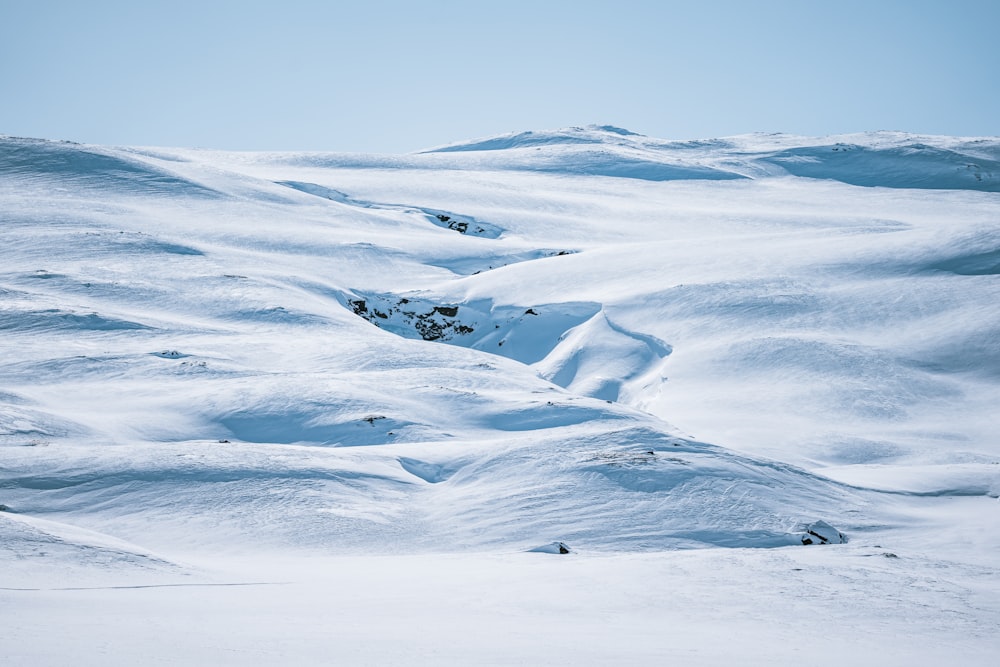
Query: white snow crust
(316, 408)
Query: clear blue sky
(391, 76)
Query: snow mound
(591, 134)
(592, 150)
(92, 170)
(28, 543)
(54, 319)
(463, 224)
(432, 473)
(820, 532)
(598, 358)
(910, 165)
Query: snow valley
(580, 391)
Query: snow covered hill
(588, 336)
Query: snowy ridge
(880, 159)
(592, 134)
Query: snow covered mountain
(624, 344)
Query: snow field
(364, 386)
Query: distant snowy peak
(594, 150)
(752, 143)
(873, 159)
(590, 134)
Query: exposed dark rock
(431, 322)
(463, 224)
(616, 458)
(429, 330)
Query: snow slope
(223, 368)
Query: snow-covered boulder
(821, 532)
(552, 548)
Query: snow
(305, 407)
(694, 607)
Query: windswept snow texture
(899, 165)
(245, 374)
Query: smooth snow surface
(304, 408)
